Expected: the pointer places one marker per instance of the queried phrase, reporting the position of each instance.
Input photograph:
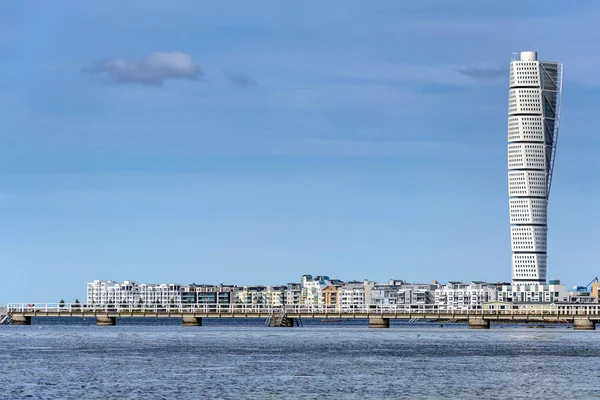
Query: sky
(252, 142)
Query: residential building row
(326, 292)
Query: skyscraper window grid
(533, 123)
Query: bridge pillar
(584, 324)
(286, 322)
(379, 322)
(105, 320)
(20, 319)
(478, 323)
(190, 320)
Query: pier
(583, 317)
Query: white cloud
(153, 69)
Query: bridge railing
(591, 309)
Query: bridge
(583, 317)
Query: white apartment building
(312, 289)
(101, 292)
(386, 293)
(535, 293)
(161, 294)
(355, 294)
(251, 295)
(275, 296)
(293, 294)
(465, 296)
(402, 293)
(416, 294)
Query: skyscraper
(533, 120)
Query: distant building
(416, 294)
(323, 291)
(312, 288)
(355, 294)
(330, 296)
(465, 296)
(533, 121)
(208, 294)
(251, 295)
(554, 292)
(386, 293)
(582, 298)
(596, 291)
(102, 293)
(162, 294)
(293, 294)
(275, 295)
(402, 293)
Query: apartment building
(465, 296)
(293, 294)
(312, 288)
(398, 292)
(208, 294)
(355, 294)
(101, 292)
(550, 293)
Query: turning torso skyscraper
(533, 120)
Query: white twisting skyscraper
(533, 120)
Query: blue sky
(251, 142)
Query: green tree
(61, 303)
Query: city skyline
(209, 144)
(325, 291)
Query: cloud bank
(482, 73)
(153, 69)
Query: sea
(243, 359)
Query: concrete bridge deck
(581, 316)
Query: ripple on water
(167, 361)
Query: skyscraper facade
(533, 121)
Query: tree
(77, 304)
(61, 303)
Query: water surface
(159, 359)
